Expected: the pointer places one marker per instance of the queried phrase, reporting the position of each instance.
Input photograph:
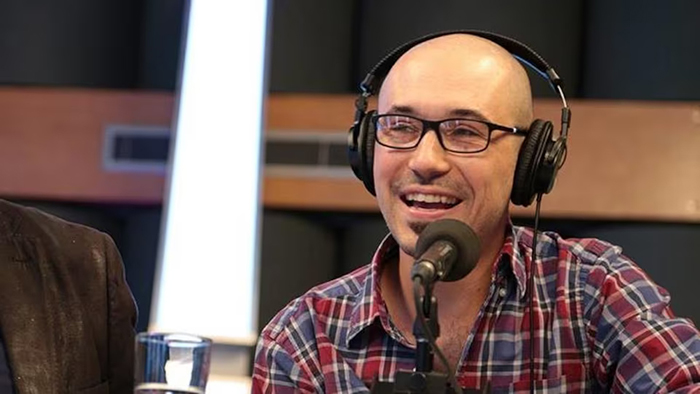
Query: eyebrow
(457, 112)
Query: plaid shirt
(601, 325)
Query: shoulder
(334, 299)
(601, 261)
(606, 276)
(582, 254)
(42, 233)
(569, 256)
(26, 222)
(586, 251)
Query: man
(600, 323)
(67, 316)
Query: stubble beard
(417, 228)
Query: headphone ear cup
(353, 145)
(530, 160)
(366, 150)
(361, 148)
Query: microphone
(448, 250)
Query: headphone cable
(532, 293)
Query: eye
(398, 124)
(465, 129)
(463, 132)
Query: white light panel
(206, 282)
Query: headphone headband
(516, 48)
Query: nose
(429, 159)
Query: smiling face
(456, 76)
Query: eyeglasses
(455, 135)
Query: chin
(407, 236)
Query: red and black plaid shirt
(601, 325)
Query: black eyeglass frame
(435, 126)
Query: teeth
(430, 198)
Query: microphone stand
(422, 379)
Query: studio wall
(631, 50)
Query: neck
(471, 291)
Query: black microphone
(448, 250)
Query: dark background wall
(640, 50)
(125, 44)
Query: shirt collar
(370, 303)
(514, 255)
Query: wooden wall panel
(628, 160)
(51, 143)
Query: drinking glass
(171, 363)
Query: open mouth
(429, 201)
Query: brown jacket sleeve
(122, 321)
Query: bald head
(461, 70)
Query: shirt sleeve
(638, 344)
(276, 371)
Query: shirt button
(502, 292)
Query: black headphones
(540, 156)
